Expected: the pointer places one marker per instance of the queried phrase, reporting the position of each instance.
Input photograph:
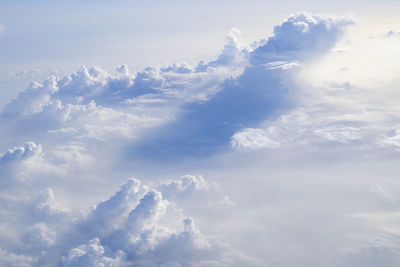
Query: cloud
(17, 154)
(173, 111)
(234, 53)
(185, 185)
(257, 94)
(108, 214)
(16, 161)
(14, 260)
(150, 208)
(378, 247)
(40, 235)
(45, 206)
(252, 139)
(341, 134)
(242, 87)
(60, 203)
(391, 140)
(91, 103)
(92, 254)
(128, 229)
(141, 234)
(300, 37)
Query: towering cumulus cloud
(69, 143)
(301, 36)
(256, 94)
(193, 111)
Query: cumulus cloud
(241, 88)
(131, 228)
(235, 53)
(185, 185)
(46, 207)
(92, 127)
(108, 215)
(139, 234)
(17, 154)
(92, 103)
(16, 161)
(259, 92)
(301, 36)
(92, 254)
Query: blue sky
(212, 133)
(51, 32)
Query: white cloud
(92, 254)
(132, 227)
(341, 134)
(17, 154)
(45, 206)
(301, 36)
(95, 127)
(187, 184)
(226, 201)
(40, 235)
(221, 96)
(15, 260)
(260, 90)
(17, 162)
(252, 139)
(391, 140)
(140, 224)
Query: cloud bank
(255, 119)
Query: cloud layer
(290, 158)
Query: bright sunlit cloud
(280, 151)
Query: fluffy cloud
(185, 185)
(92, 254)
(136, 226)
(108, 214)
(96, 127)
(131, 225)
(46, 207)
(94, 104)
(300, 37)
(17, 154)
(259, 92)
(241, 88)
(196, 109)
(15, 163)
(234, 53)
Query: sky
(212, 133)
(46, 37)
